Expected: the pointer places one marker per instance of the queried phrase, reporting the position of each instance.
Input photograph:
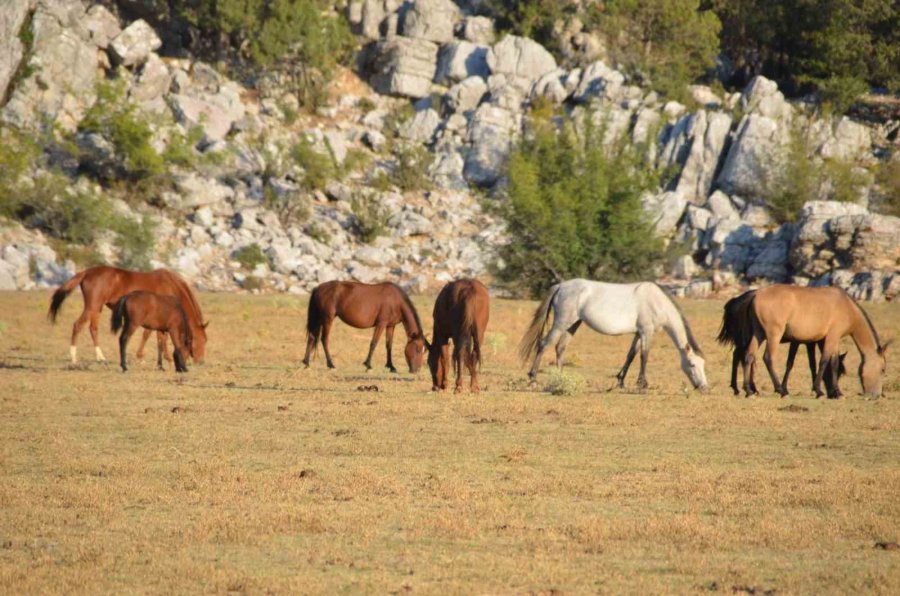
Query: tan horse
(784, 312)
(382, 306)
(106, 285)
(461, 313)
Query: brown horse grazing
(733, 333)
(461, 313)
(106, 285)
(156, 313)
(812, 315)
(364, 306)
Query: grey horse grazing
(613, 309)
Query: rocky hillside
(394, 177)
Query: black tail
(62, 293)
(737, 322)
(314, 319)
(120, 315)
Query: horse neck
(190, 305)
(862, 333)
(674, 326)
(408, 318)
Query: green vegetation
(301, 38)
(574, 210)
(411, 170)
(888, 179)
(116, 119)
(318, 167)
(250, 256)
(371, 217)
(561, 382)
(671, 42)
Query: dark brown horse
(156, 313)
(106, 285)
(737, 335)
(382, 306)
(461, 313)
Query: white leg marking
(73, 350)
(100, 357)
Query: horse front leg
(632, 352)
(389, 346)
(445, 366)
(161, 352)
(646, 339)
(735, 362)
(458, 357)
(372, 345)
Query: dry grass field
(249, 474)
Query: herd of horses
(161, 301)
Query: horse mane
(190, 297)
(687, 328)
(869, 323)
(412, 307)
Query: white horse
(613, 309)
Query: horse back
(804, 314)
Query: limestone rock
(102, 25)
(478, 30)
(460, 60)
(665, 210)
(404, 67)
(12, 19)
(490, 134)
(598, 81)
(520, 58)
(421, 126)
(694, 144)
(850, 141)
(753, 159)
(134, 44)
(432, 20)
(466, 95)
(153, 80)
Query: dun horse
(613, 309)
(382, 306)
(802, 314)
(106, 285)
(156, 313)
(461, 313)
(733, 334)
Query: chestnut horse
(155, 313)
(732, 333)
(382, 306)
(803, 314)
(106, 285)
(461, 313)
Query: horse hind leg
(95, 336)
(748, 365)
(123, 345)
(564, 342)
(77, 326)
(551, 338)
(326, 332)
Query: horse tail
(120, 315)
(528, 347)
(62, 293)
(736, 325)
(469, 331)
(314, 319)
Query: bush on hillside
(574, 209)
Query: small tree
(574, 209)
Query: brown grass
(250, 474)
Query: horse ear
(205, 325)
(886, 345)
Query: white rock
(522, 59)
(134, 44)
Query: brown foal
(461, 313)
(156, 313)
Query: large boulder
(152, 81)
(478, 30)
(421, 126)
(63, 66)
(403, 66)
(460, 60)
(102, 25)
(761, 96)
(665, 210)
(374, 16)
(12, 19)
(432, 20)
(753, 161)
(135, 43)
(490, 134)
(694, 145)
(466, 95)
(832, 235)
(521, 59)
(214, 112)
(598, 81)
(849, 141)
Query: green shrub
(797, 181)
(318, 233)
(564, 383)
(574, 210)
(117, 120)
(250, 256)
(318, 168)
(180, 150)
(290, 206)
(371, 217)
(411, 169)
(135, 241)
(888, 179)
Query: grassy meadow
(251, 475)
